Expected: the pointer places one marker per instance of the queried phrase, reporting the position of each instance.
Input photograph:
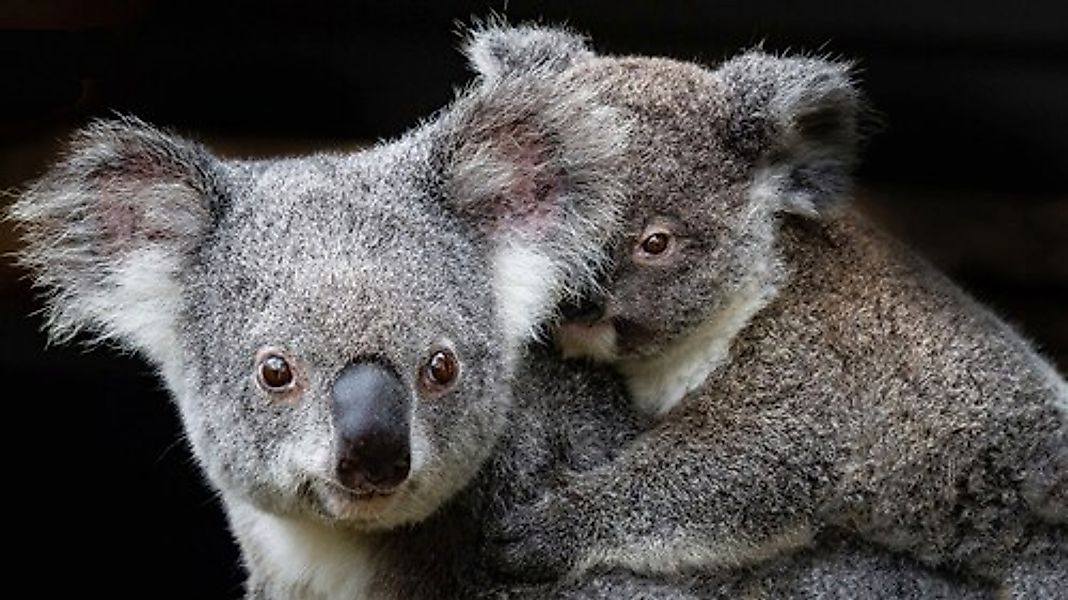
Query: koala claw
(529, 544)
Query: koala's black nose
(583, 310)
(370, 409)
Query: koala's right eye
(656, 245)
(439, 373)
(274, 373)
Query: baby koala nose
(370, 411)
(583, 310)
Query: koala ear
(533, 166)
(798, 116)
(495, 50)
(108, 230)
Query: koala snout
(370, 411)
(583, 310)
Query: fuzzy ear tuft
(799, 116)
(110, 226)
(533, 165)
(495, 50)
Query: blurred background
(970, 166)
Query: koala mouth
(337, 501)
(348, 493)
(608, 340)
(360, 496)
(597, 340)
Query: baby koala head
(716, 157)
(338, 331)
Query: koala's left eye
(276, 373)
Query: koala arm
(837, 566)
(840, 566)
(707, 491)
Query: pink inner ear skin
(533, 182)
(122, 221)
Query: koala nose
(583, 310)
(370, 411)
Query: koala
(807, 372)
(838, 568)
(339, 331)
(360, 416)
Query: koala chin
(808, 372)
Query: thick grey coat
(810, 373)
(461, 234)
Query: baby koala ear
(533, 165)
(495, 50)
(798, 116)
(111, 226)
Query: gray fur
(861, 390)
(838, 569)
(495, 50)
(149, 241)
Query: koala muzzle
(583, 310)
(370, 410)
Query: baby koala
(810, 373)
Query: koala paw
(537, 542)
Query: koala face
(338, 331)
(339, 371)
(716, 157)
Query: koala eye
(656, 243)
(274, 372)
(440, 371)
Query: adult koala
(811, 375)
(338, 331)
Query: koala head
(723, 154)
(715, 158)
(338, 331)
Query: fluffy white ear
(533, 165)
(799, 117)
(495, 50)
(109, 228)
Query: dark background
(970, 166)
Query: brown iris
(656, 243)
(275, 373)
(440, 371)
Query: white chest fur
(304, 560)
(657, 384)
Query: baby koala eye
(656, 244)
(440, 371)
(274, 372)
